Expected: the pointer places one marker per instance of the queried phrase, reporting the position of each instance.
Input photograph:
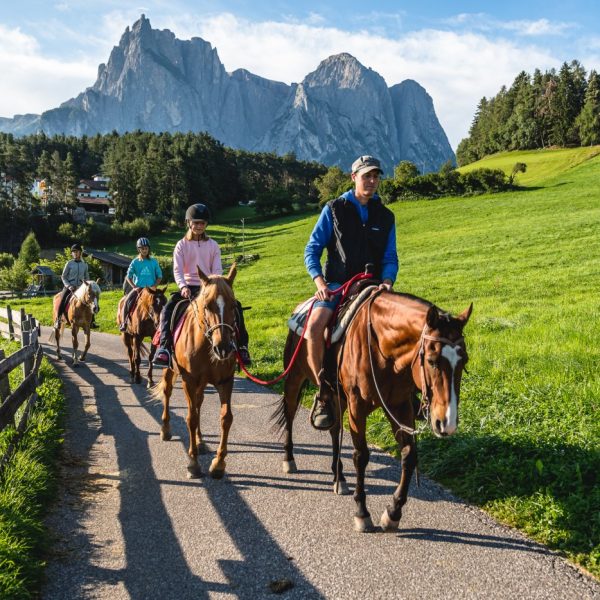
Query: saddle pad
(298, 319)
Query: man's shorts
(331, 304)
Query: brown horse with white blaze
(396, 345)
(143, 322)
(82, 307)
(204, 353)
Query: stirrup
(329, 412)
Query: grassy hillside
(528, 447)
(541, 164)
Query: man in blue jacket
(357, 229)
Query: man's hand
(323, 292)
(185, 292)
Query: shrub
(15, 278)
(6, 260)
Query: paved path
(131, 525)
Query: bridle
(208, 329)
(420, 354)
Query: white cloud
(32, 82)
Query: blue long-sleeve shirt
(321, 235)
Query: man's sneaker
(321, 415)
(245, 356)
(162, 358)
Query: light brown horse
(396, 345)
(204, 353)
(83, 305)
(143, 322)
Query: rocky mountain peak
(156, 82)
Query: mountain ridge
(155, 82)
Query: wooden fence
(16, 325)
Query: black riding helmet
(197, 212)
(76, 247)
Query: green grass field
(528, 447)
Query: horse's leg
(339, 481)
(57, 334)
(128, 341)
(357, 416)
(202, 447)
(189, 389)
(137, 357)
(87, 331)
(390, 519)
(150, 382)
(217, 467)
(293, 386)
(166, 389)
(74, 332)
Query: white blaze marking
(450, 353)
(221, 305)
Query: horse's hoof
(138, 380)
(289, 466)
(217, 473)
(341, 488)
(203, 448)
(194, 472)
(217, 469)
(387, 524)
(165, 436)
(363, 525)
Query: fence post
(4, 384)
(26, 341)
(11, 325)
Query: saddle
(344, 314)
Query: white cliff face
(155, 82)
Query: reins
(343, 290)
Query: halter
(425, 399)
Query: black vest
(352, 244)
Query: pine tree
(588, 120)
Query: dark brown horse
(204, 353)
(143, 322)
(396, 345)
(83, 305)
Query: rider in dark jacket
(356, 229)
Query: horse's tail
(277, 419)
(158, 390)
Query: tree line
(537, 111)
(151, 175)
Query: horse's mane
(415, 298)
(145, 299)
(81, 289)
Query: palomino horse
(83, 305)
(204, 352)
(396, 345)
(143, 322)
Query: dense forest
(151, 175)
(539, 111)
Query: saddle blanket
(298, 319)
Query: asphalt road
(129, 524)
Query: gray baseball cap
(364, 164)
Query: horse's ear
(464, 316)
(432, 318)
(232, 273)
(163, 290)
(98, 280)
(201, 274)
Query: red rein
(343, 290)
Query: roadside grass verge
(528, 446)
(28, 485)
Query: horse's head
(152, 302)
(438, 367)
(89, 293)
(218, 304)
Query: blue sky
(459, 51)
